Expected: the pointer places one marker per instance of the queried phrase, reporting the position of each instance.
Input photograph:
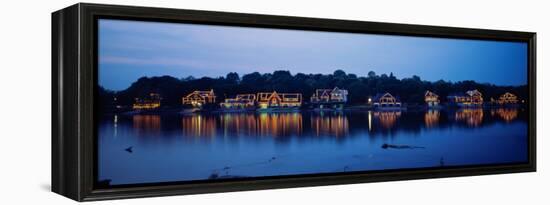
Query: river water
(166, 148)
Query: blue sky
(129, 50)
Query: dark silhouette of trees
(233, 77)
(410, 90)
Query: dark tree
(410, 90)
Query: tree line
(360, 88)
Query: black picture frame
(74, 77)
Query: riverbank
(351, 108)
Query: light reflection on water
(196, 147)
(472, 116)
(336, 125)
(431, 118)
(507, 114)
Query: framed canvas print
(153, 102)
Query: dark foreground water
(167, 148)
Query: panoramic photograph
(187, 103)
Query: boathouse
(471, 98)
(385, 100)
(335, 95)
(147, 103)
(199, 98)
(279, 100)
(507, 98)
(431, 99)
(240, 101)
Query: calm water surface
(167, 148)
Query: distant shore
(351, 108)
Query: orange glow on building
(507, 98)
(279, 100)
(151, 102)
(431, 98)
(199, 98)
(240, 101)
(335, 95)
(385, 100)
(472, 98)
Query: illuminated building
(199, 98)
(471, 98)
(279, 100)
(335, 95)
(327, 97)
(148, 103)
(431, 99)
(507, 98)
(240, 101)
(385, 100)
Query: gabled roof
(266, 96)
(380, 95)
(201, 93)
(473, 92)
(246, 96)
(508, 94)
(321, 92)
(336, 89)
(430, 93)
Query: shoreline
(353, 108)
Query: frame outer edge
(56, 171)
(533, 100)
(75, 101)
(65, 132)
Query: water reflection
(280, 124)
(336, 125)
(308, 124)
(387, 119)
(507, 114)
(239, 124)
(146, 124)
(431, 118)
(189, 147)
(199, 126)
(472, 116)
(115, 126)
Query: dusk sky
(129, 50)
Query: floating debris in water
(213, 176)
(129, 149)
(386, 146)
